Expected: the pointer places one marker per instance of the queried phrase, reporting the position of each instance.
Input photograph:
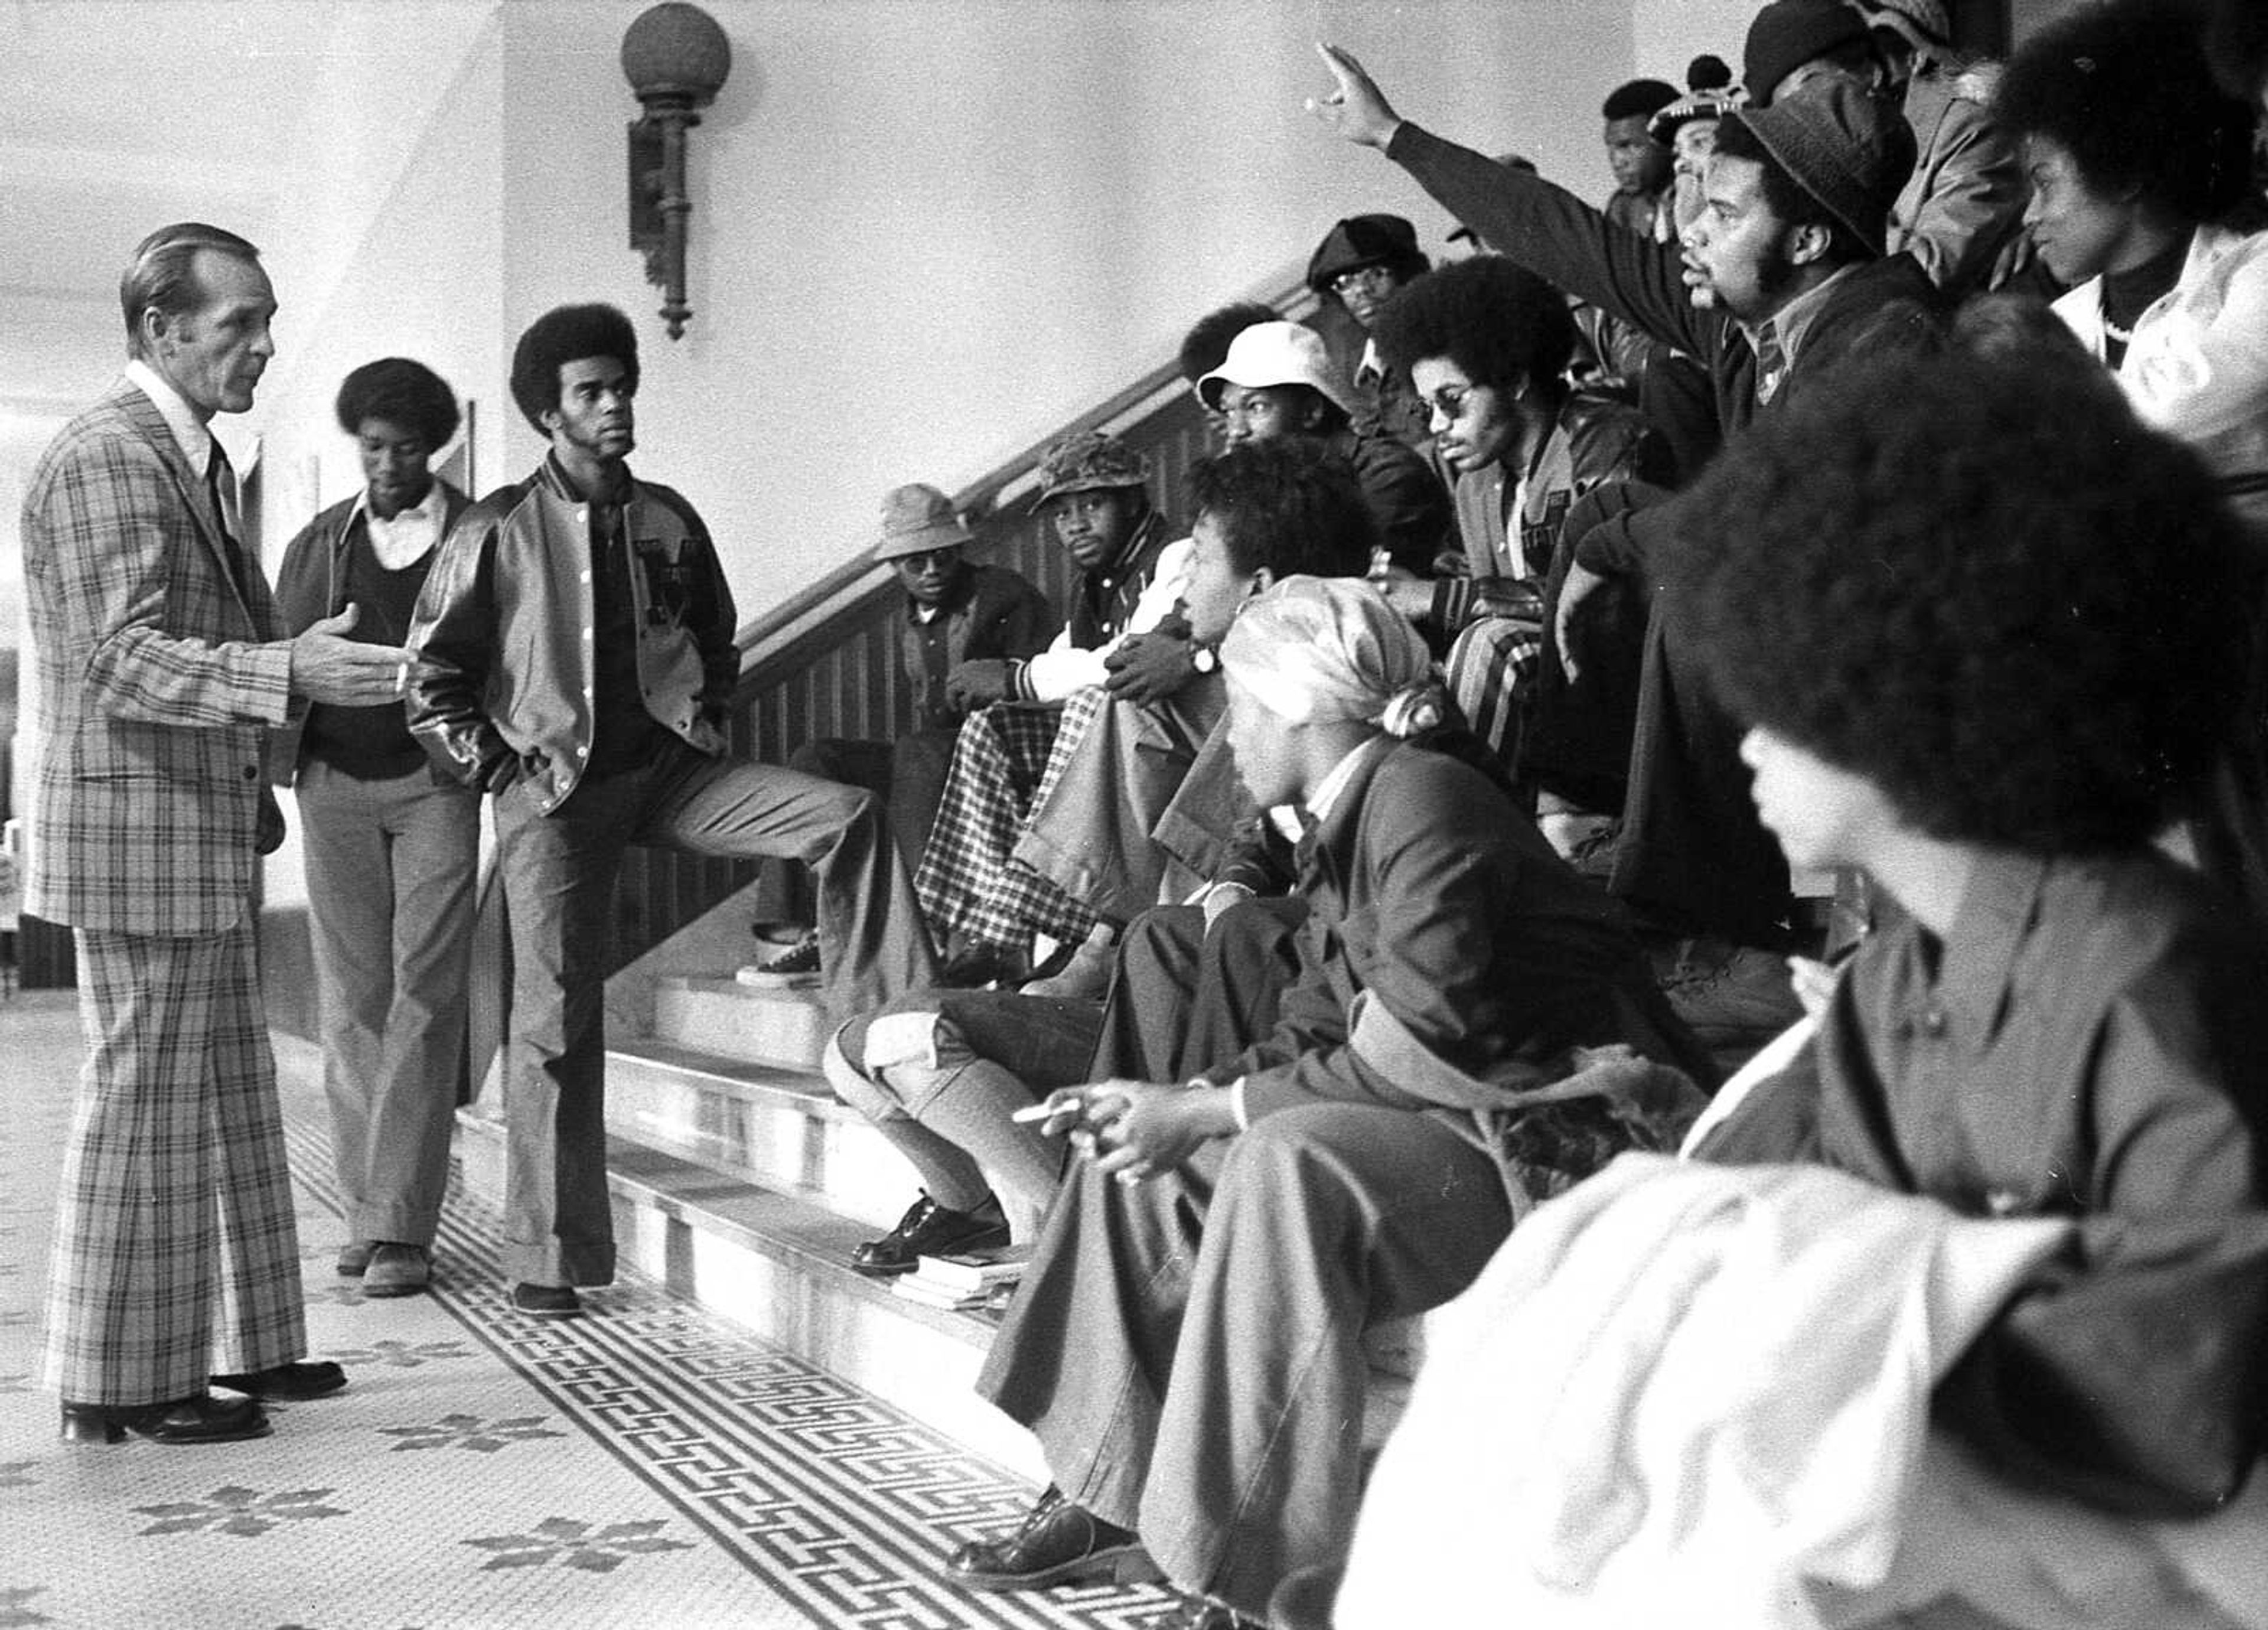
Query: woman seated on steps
(1187, 1341)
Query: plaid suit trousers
(175, 1251)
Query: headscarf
(1314, 649)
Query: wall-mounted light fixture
(676, 59)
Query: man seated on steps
(1187, 1340)
(1130, 754)
(983, 908)
(957, 610)
(1781, 278)
(1486, 344)
(941, 1071)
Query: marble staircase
(740, 1180)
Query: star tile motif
(245, 1513)
(471, 1432)
(403, 1354)
(575, 1545)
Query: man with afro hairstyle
(575, 659)
(1984, 654)
(391, 843)
(1486, 344)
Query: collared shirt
(406, 538)
(2082, 1041)
(189, 433)
(1785, 329)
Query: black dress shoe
(928, 1229)
(546, 1301)
(292, 1383)
(202, 1418)
(1055, 1543)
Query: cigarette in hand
(1032, 1112)
(401, 679)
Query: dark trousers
(1183, 1000)
(559, 873)
(1694, 857)
(1188, 1350)
(908, 775)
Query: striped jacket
(157, 679)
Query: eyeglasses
(1374, 279)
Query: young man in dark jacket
(575, 657)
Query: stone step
(721, 1016)
(777, 1262)
(769, 1124)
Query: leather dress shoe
(1056, 1542)
(546, 1301)
(293, 1384)
(354, 1256)
(202, 1418)
(928, 1229)
(397, 1271)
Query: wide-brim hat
(1849, 150)
(917, 519)
(1362, 241)
(1276, 353)
(1788, 33)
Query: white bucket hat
(1276, 353)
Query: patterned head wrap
(1314, 649)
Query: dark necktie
(220, 482)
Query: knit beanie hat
(1844, 148)
(1788, 33)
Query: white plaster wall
(1666, 34)
(928, 231)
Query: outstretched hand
(328, 666)
(1355, 109)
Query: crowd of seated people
(1475, 871)
(1809, 603)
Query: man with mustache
(1781, 275)
(575, 659)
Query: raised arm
(1551, 232)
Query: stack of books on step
(966, 1279)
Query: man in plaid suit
(161, 665)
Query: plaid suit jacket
(157, 680)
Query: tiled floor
(649, 1465)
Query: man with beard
(1782, 274)
(575, 659)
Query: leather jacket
(503, 667)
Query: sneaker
(354, 1256)
(397, 1271)
(546, 1301)
(794, 968)
(1731, 995)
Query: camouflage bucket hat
(1088, 461)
